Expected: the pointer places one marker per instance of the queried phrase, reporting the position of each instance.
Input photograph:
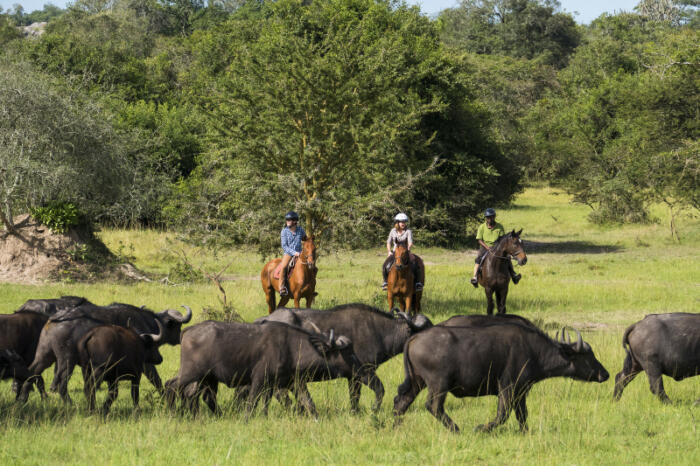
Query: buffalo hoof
(484, 428)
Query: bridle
(507, 256)
(402, 265)
(308, 263)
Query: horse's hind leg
(489, 300)
(270, 298)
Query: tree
(518, 28)
(55, 146)
(345, 110)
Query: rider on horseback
(291, 237)
(486, 235)
(399, 234)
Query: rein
(491, 252)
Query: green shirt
(490, 235)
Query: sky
(584, 10)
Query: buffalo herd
(467, 356)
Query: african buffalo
(502, 358)
(62, 332)
(661, 344)
(113, 353)
(266, 357)
(12, 366)
(20, 332)
(51, 306)
(377, 336)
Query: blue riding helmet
(490, 212)
(291, 215)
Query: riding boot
(514, 276)
(385, 270)
(282, 268)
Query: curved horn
(315, 327)
(177, 316)
(579, 342)
(143, 306)
(156, 337)
(331, 337)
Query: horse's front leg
(390, 299)
(297, 300)
(501, 295)
(489, 300)
(408, 302)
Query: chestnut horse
(302, 280)
(401, 280)
(494, 274)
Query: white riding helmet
(401, 217)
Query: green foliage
(518, 28)
(58, 216)
(183, 272)
(337, 109)
(619, 134)
(8, 31)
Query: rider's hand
(388, 253)
(297, 253)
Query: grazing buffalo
(12, 366)
(20, 332)
(661, 344)
(60, 336)
(377, 336)
(264, 357)
(503, 358)
(113, 353)
(51, 306)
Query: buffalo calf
(113, 353)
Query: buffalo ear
(518, 233)
(342, 342)
(320, 343)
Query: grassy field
(597, 279)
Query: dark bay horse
(302, 279)
(495, 275)
(401, 280)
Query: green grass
(598, 279)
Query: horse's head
(308, 251)
(401, 257)
(513, 246)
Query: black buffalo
(112, 353)
(50, 307)
(377, 336)
(661, 344)
(12, 366)
(60, 336)
(20, 332)
(264, 357)
(502, 358)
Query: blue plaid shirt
(291, 242)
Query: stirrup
(419, 286)
(474, 281)
(385, 285)
(284, 291)
(516, 278)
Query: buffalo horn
(331, 337)
(156, 337)
(177, 316)
(315, 327)
(579, 342)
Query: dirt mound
(33, 253)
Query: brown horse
(302, 279)
(401, 280)
(495, 275)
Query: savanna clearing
(597, 279)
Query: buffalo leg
(408, 391)
(256, 388)
(489, 300)
(64, 373)
(135, 382)
(209, 396)
(630, 369)
(283, 398)
(43, 358)
(435, 404)
(89, 387)
(373, 382)
(301, 393)
(505, 404)
(55, 381)
(656, 384)
(112, 394)
(354, 390)
(265, 396)
(153, 377)
(521, 412)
